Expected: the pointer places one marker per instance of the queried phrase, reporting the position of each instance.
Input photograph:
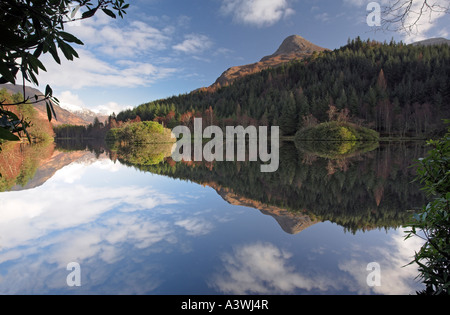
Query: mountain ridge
(293, 47)
(63, 115)
(432, 41)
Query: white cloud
(90, 71)
(324, 17)
(259, 13)
(111, 107)
(358, 3)
(223, 51)
(138, 38)
(110, 38)
(194, 44)
(70, 101)
(112, 56)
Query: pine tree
(289, 116)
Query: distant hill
(84, 113)
(63, 116)
(293, 47)
(432, 41)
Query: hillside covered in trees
(396, 89)
(40, 129)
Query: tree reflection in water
(359, 189)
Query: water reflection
(195, 226)
(144, 154)
(393, 256)
(265, 268)
(68, 221)
(364, 191)
(152, 229)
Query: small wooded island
(145, 132)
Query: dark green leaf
(70, 38)
(49, 112)
(48, 91)
(27, 134)
(53, 110)
(67, 50)
(11, 115)
(109, 13)
(7, 135)
(6, 73)
(11, 40)
(89, 14)
(54, 52)
(33, 77)
(38, 50)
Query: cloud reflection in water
(138, 233)
(265, 269)
(43, 229)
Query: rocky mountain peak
(297, 44)
(293, 47)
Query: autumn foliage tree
(30, 29)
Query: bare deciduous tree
(408, 15)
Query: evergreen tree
(289, 116)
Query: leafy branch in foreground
(432, 224)
(31, 29)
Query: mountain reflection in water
(60, 195)
(365, 190)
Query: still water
(204, 229)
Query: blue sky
(169, 47)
